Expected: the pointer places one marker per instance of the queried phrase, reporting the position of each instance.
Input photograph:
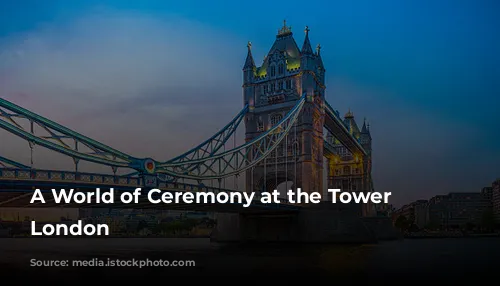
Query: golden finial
(284, 30)
(306, 30)
(349, 114)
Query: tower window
(273, 71)
(281, 69)
(272, 86)
(296, 150)
(347, 170)
(280, 85)
(260, 126)
(275, 118)
(288, 84)
(265, 88)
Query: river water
(446, 257)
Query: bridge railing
(66, 177)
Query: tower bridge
(293, 138)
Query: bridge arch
(281, 181)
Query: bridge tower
(349, 171)
(271, 90)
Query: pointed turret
(351, 124)
(249, 62)
(308, 65)
(319, 63)
(248, 77)
(249, 67)
(318, 54)
(306, 47)
(364, 128)
(365, 137)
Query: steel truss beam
(7, 163)
(210, 146)
(236, 160)
(343, 134)
(23, 123)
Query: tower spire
(318, 54)
(364, 128)
(249, 62)
(306, 47)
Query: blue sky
(425, 73)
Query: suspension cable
(276, 167)
(235, 182)
(251, 179)
(286, 163)
(265, 171)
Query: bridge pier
(318, 223)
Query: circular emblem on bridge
(149, 166)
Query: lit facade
(271, 90)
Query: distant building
(456, 210)
(436, 211)
(487, 193)
(495, 199)
(465, 208)
(415, 212)
(420, 213)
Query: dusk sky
(167, 74)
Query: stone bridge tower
(271, 90)
(351, 172)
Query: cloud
(113, 76)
